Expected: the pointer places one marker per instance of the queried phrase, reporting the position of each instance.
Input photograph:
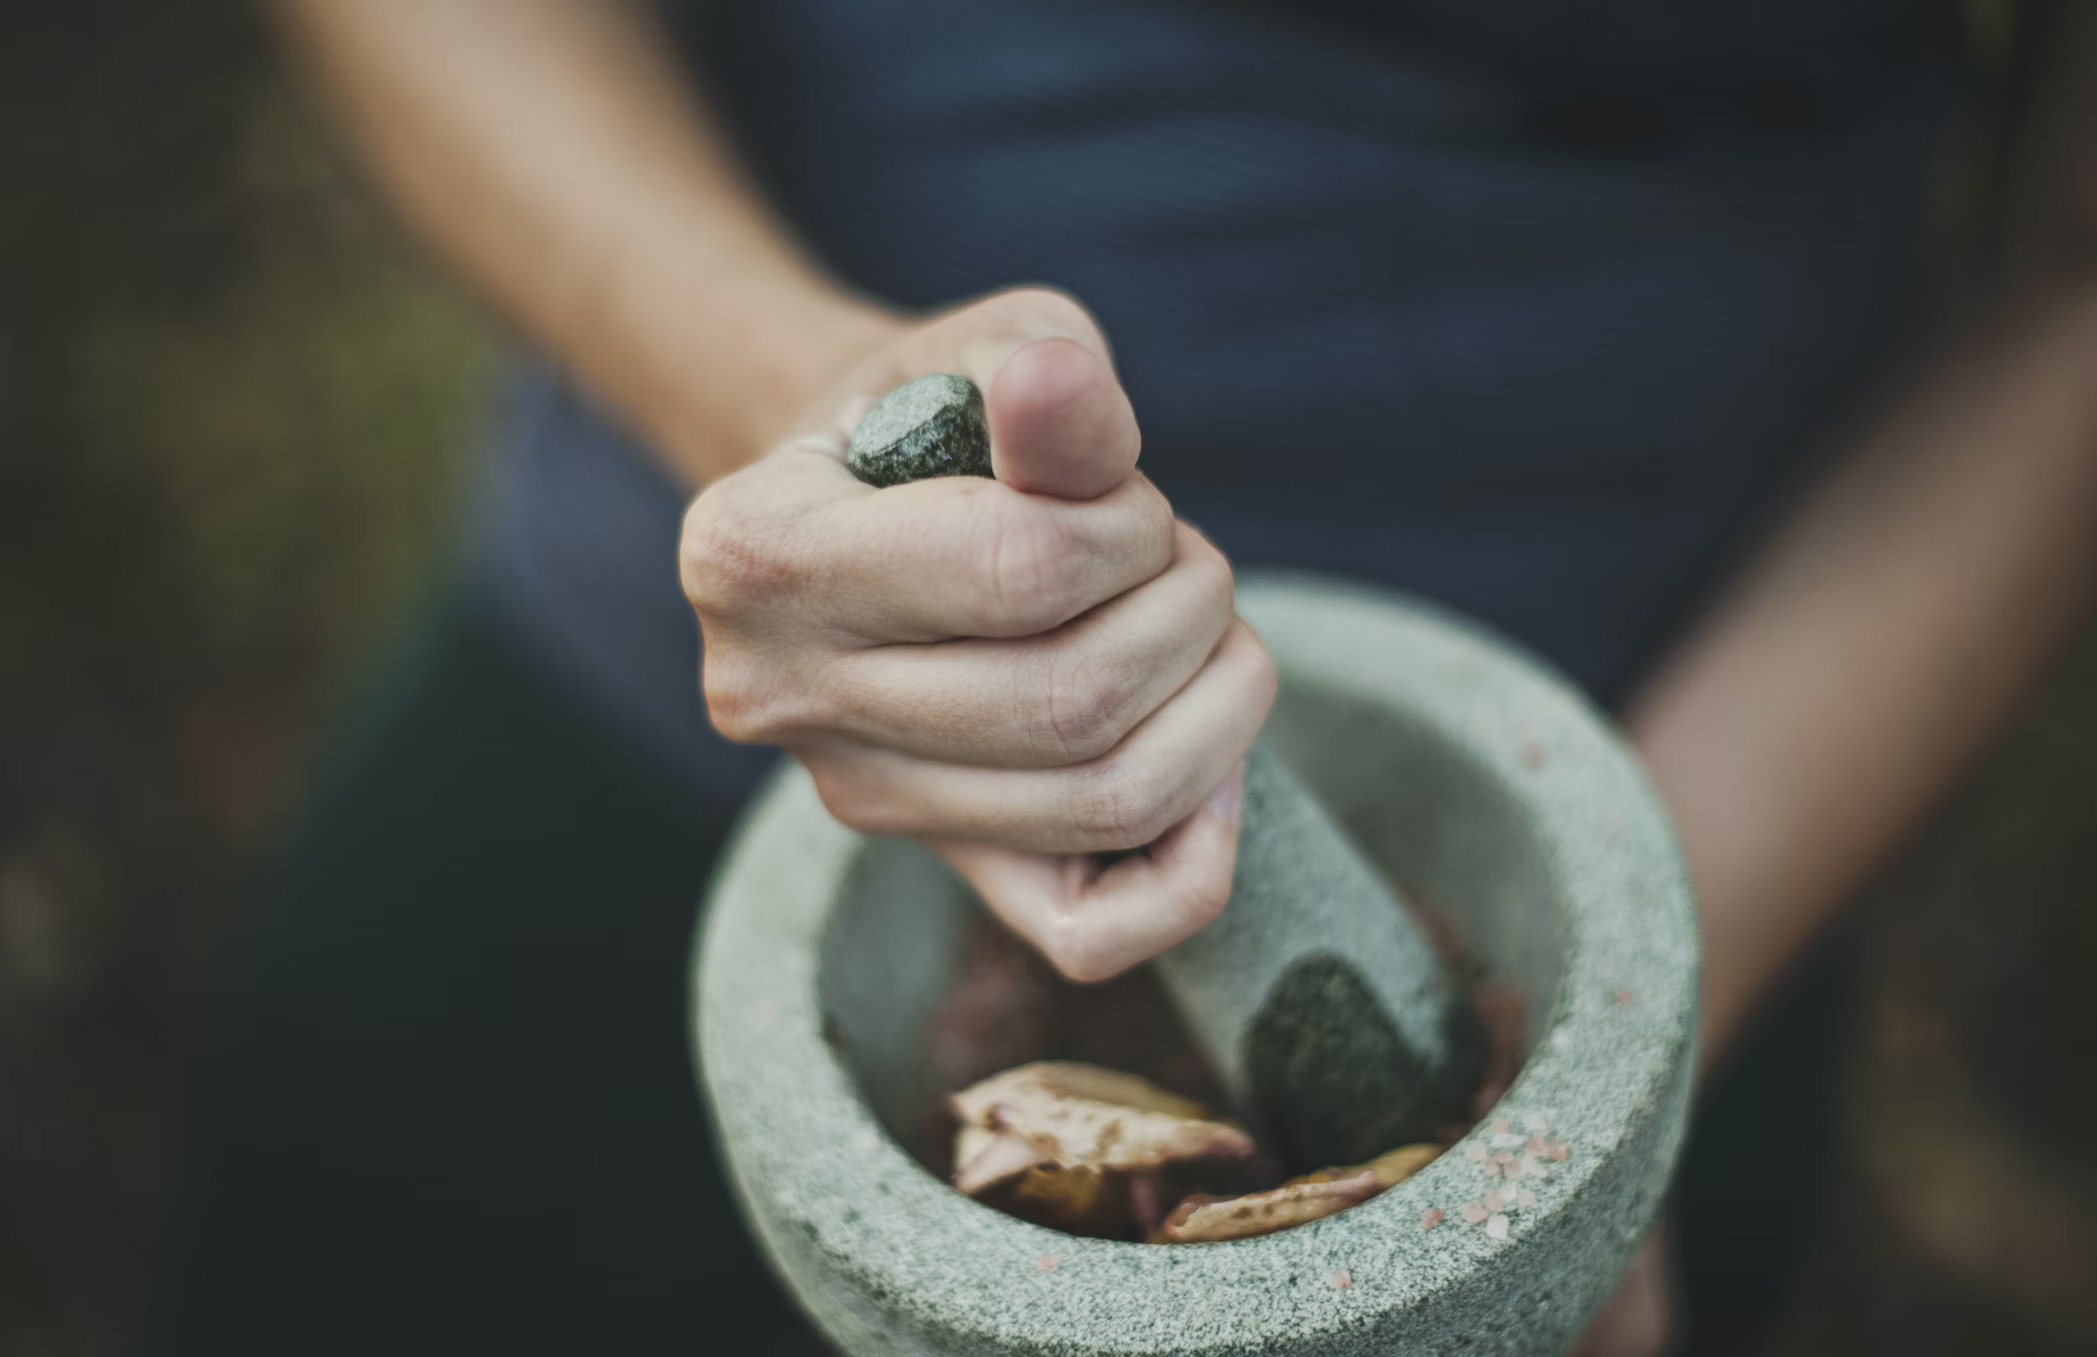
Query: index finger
(963, 556)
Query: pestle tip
(933, 426)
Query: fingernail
(1227, 802)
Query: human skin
(549, 152)
(1024, 673)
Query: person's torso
(1527, 305)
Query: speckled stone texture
(1316, 997)
(1482, 785)
(933, 426)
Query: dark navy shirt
(1538, 308)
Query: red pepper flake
(1340, 1280)
(1047, 1263)
(1475, 1213)
(1430, 1218)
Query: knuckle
(1202, 901)
(1029, 571)
(747, 709)
(1144, 527)
(1074, 947)
(1119, 807)
(1264, 677)
(1155, 518)
(732, 702)
(1212, 574)
(1083, 708)
(730, 553)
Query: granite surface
(933, 426)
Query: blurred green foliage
(234, 417)
(234, 408)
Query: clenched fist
(1024, 673)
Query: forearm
(553, 155)
(1878, 644)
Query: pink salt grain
(1497, 1227)
(1525, 1198)
(1340, 1280)
(1623, 998)
(1474, 1213)
(1494, 1202)
(1430, 1218)
(1047, 1262)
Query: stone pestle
(1328, 1013)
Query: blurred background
(235, 412)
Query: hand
(1024, 673)
(1639, 1319)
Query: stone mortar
(1464, 772)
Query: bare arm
(1895, 624)
(551, 153)
(1020, 672)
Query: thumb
(1060, 424)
